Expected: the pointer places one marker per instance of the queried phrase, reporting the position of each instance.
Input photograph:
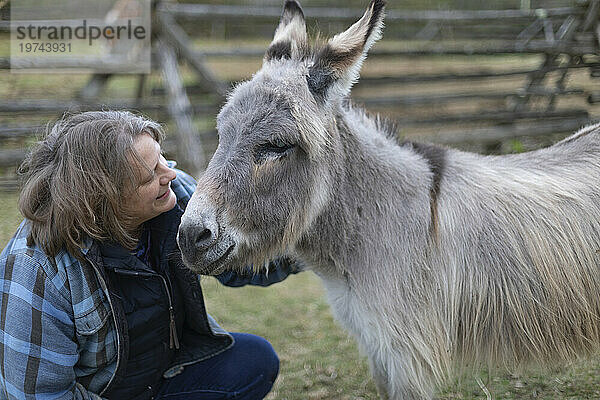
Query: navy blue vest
(147, 288)
(154, 314)
(143, 296)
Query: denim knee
(261, 352)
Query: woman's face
(153, 196)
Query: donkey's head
(270, 176)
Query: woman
(95, 300)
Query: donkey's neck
(379, 204)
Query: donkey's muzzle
(197, 235)
(205, 248)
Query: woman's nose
(168, 176)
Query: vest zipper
(173, 338)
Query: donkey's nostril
(203, 238)
(196, 236)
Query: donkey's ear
(290, 40)
(337, 64)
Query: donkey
(434, 259)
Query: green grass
(9, 216)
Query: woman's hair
(77, 177)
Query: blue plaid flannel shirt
(59, 339)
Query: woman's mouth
(164, 195)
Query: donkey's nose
(197, 234)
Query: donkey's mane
(383, 126)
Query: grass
(9, 216)
(318, 359)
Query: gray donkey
(433, 258)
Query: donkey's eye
(274, 149)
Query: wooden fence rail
(59, 107)
(210, 11)
(580, 47)
(469, 103)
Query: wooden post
(94, 87)
(565, 32)
(140, 88)
(591, 17)
(189, 151)
(177, 37)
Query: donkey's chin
(215, 261)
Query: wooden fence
(541, 99)
(484, 77)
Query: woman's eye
(273, 150)
(148, 180)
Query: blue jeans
(245, 371)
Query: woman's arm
(277, 271)
(38, 349)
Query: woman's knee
(259, 353)
(246, 371)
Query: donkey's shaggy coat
(432, 258)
